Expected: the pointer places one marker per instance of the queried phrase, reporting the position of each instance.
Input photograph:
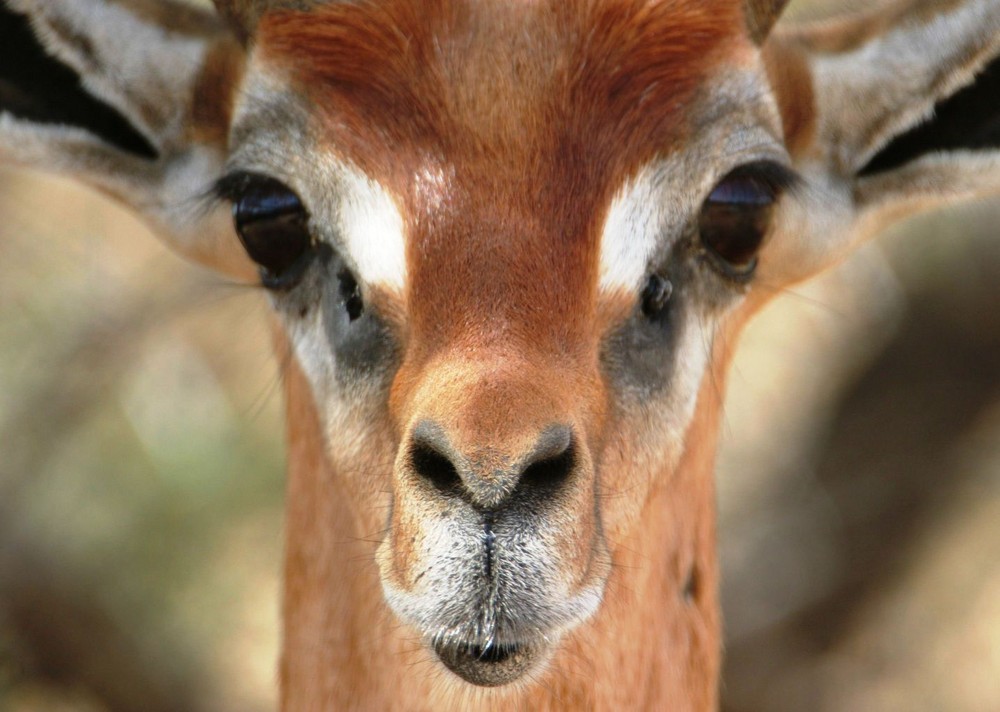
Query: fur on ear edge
(968, 120)
(36, 87)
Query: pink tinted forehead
(503, 129)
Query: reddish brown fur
(501, 128)
(531, 114)
(343, 648)
(526, 117)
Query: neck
(653, 644)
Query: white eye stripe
(371, 227)
(630, 235)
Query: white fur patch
(651, 211)
(631, 234)
(372, 230)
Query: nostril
(485, 482)
(549, 474)
(429, 458)
(435, 468)
(552, 462)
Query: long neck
(654, 643)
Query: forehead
(503, 131)
(501, 89)
(502, 136)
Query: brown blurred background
(141, 474)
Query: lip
(490, 666)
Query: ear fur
(131, 97)
(872, 93)
(887, 116)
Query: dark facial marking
(638, 356)
(363, 343)
(655, 295)
(692, 585)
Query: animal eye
(736, 216)
(272, 225)
(655, 295)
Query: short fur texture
(475, 165)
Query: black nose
(488, 476)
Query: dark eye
(272, 225)
(737, 214)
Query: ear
(886, 114)
(131, 97)
(761, 16)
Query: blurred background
(141, 474)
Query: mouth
(489, 666)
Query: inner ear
(36, 87)
(966, 120)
